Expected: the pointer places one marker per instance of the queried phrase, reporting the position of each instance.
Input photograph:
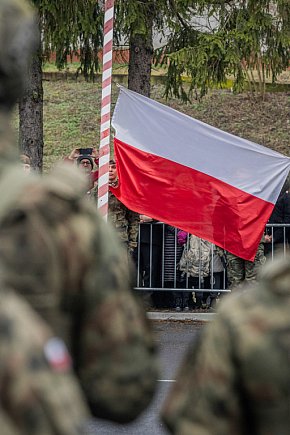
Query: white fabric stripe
(109, 14)
(103, 160)
(106, 91)
(107, 74)
(106, 109)
(157, 129)
(106, 85)
(107, 57)
(108, 37)
(105, 141)
(104, 179)
(102, 201)
(105, 125)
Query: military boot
(178, 303)
(186, 303)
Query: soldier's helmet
(18, 39)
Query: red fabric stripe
(108, 47)
(105, 133)
(106, 100)
(103, 169)
(95, 175)
(109, 4)
(191, 200)
(107, 65)
(106, 82)
(105, 118)
(108, 25)
(103, 209)
(104, 151)
(102, 190)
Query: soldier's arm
(204, 399)
(117, 357)
(133, 228)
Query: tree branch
(178, 15)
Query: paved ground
(172, 338)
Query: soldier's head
(86, 163)
(112, 170)
(18, 38)
(26, 162)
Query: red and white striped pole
(104, 149)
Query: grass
(72, 116)
(119, 69)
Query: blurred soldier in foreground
(39, 395)
(58, 253)
(237, 378)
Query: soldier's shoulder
(271, 290)
(65, 180)
(18, 320)
(275, 275)
(242, 304)
(26, 337)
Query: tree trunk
(31, 115)
(141, 54)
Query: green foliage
(132, 16)
(68, 27)
(248, 40)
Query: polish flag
(193, 176)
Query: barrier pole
(104, 148)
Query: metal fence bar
(138, 258)
(175, 255)
(150, 256)
(186, 283)
(163, 251)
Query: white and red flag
(193, 176)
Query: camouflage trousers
(239, 270)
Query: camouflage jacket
(124, 220)
(196, 257)
(60, 254)
(38, 393)
(235, 379)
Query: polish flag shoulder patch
(57, 355)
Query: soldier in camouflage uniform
(125, 221)
(64, 259)
(38, 393)
(240, 270)
(236, 379)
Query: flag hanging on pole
(193, 176)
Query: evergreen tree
(66, 27)
(138, 20)
(246, 39)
